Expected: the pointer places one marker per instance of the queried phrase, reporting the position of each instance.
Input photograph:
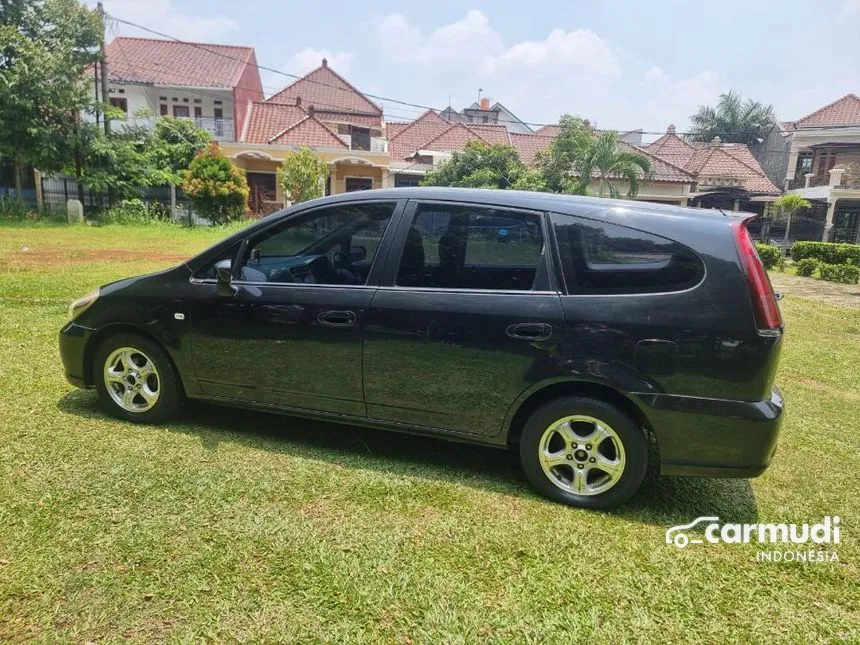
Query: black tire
(634, 443)
(170, 396)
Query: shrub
(844, 273)
(807, 266)
(11, 208)
(827, 252)
(217, 189)
(770, 255)
(132, 211)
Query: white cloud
(466, 40)
(674, 100)
(309, 58)
(850, 7)
(162, 16)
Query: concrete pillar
(792, 165)
(836, 176)
(684, 201)
(736, 206)
(807, 178)
(828, 223)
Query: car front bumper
(714, 437)
(73, 343)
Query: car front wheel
(135, 379)
(584, 452)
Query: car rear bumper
(73, 342)
(714, 437)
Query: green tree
(561, 162)
(579, 152)
(172, 147)
(481, 165)
(46, 47)
(217, 188)
(733, 120)
(790, 203)
(302, 175)
(610, 160)
(116, 164)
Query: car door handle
(529, 331)
(336, 318)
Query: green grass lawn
(237, 526)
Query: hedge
(827, 252)
(845, 273)
(807, 266)
(770, 255)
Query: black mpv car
(581, 330)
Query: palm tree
(790, 203)
(605, 155)
(733, 120)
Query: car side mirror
(357, 253)
(225, 281)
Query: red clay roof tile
(325, 89)
(844, 111)
(169, 62)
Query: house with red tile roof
(822, 158)
(727, 175)
(211, 84)
(418, 147)
(323, 111)
(481, 112)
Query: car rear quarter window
(599, 257)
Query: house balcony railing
(220, 129)
(836, 178)
(377, 144)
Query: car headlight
(80, 305)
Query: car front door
(288, 331)
(465, 319)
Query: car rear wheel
(584, 452)
(135, 380)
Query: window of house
(804, 164)
(162, 109)
(598, 257)
(471, 247)
(198, 112)
(353, 184)
(180, 111)
(218, 113)
(120, 103)
(405, 181)
(335, 245)
(360, 138)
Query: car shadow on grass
(661, 500)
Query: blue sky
(623, 65)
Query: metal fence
(59, 189)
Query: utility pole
(103, 54)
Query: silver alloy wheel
(582, 455)
(131, 379)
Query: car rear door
(465, 319)
(291, 334)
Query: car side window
(334, 245)
(598, 257)
(471, 247)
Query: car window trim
(389, 278)
(399, 205)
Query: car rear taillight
(767, 314)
